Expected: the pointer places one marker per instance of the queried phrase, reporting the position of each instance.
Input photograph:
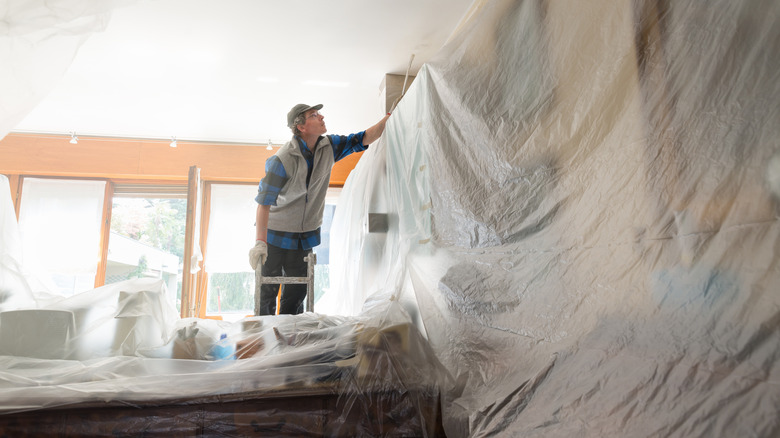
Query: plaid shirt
(276, 177)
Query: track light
(270, 145)
(73, 138)
(173, 142)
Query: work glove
(258, 254)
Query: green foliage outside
(235, 291)
(321, 281)
(155, 222)
(139, 270)
(231, 292)
(159, 223)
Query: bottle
(223, 349)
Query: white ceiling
(229, 71)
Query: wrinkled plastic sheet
(38, 40)
(582, 207)
(120, 360)
(605, 201)
(583, 200)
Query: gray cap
(298, 109)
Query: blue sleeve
(344, 145)
(270, 186)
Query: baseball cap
(298, 109)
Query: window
(59, 221)
(231, 233)
(147, 236)
(322, 270)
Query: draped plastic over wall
(605, 199)
(583, 204)
(583, 200)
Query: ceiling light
(73, 138)
(173, 142)
(270, 146)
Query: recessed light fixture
(73, 138)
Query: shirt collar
(304, 147)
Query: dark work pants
(287, 263)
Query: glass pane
(231, 228)
(231, 292)
(230, 236)
(322, 269)
(59, 221)
(147, 240)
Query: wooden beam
(201, 292)
(14, 181)
(105, 233)
(188, 302)
(97, 157)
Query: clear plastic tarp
(38, 40)
(583, 238)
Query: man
(291, 201)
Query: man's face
(314, 125)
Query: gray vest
(297, 208)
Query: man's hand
(258, 253)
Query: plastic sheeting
(582, 200)
(123, 346)
(38, 40)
